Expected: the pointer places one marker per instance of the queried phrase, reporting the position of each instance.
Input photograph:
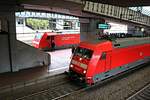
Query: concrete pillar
(89, 30)
(14, 54)
(8, 24)
(4, 53)
(12, 32)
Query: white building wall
(117, 28)
(28, 57)
(59, 24)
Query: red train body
(93, 62)
(45, 40)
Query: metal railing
(121, 13)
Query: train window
(67, 24)
(78, 24)
(83, 52)
(38, 36)
(88, 53)
(103, 56)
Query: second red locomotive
(93, 62)
(45, 40)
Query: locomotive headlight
(71, 65)
(84, 71)
(80, 59)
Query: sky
(146, 10)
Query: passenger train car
(44, 40)
(96, 61)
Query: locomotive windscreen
(83, 52)
(38, 36)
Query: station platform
(60, 60)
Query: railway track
(143, 94)
(67, 88)
(61, 87)
(53, 93)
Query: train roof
(92, 43)
(105, 45)
(119, 43)
(125, 42)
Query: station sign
(103, 26)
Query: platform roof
(125, 42)
(125, 3)
(73, 5)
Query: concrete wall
(24, 57)
(17, 55)
(28, 57)
(8, 25)
(4, 54)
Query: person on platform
(53, 45)
(73, 49)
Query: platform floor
(60, 60)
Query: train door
(105, 61)
(52, 39)
(48, 39)
(53, 44)
(108, 61)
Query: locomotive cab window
(38, 36)
(103, 56)
(83, 52)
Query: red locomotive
(93, 62)
(44, 41)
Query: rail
(68, 88)
(143, 94)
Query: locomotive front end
(79, 64)
(89, 61)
